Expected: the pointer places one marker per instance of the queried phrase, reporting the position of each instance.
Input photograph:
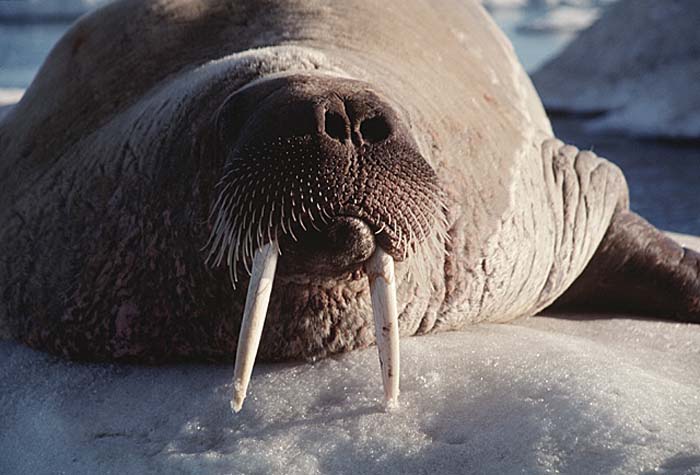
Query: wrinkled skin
(400, 111)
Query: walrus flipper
(638, 269)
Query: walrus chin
(323, 178)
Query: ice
(637, 67)
(498, 4)
(555, 20)
(563, 18)
(30, 11)
(10, 95)
(544, 395)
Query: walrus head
(321, 171)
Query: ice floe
(636, 70)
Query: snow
(37, 11)
(637, 68)
(10, 95)
(544, 395)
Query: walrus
(182, 171)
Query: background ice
(639, 66)
(577, 395)
(550, 16)
(493, 4)
(564, 18)
(8, 97)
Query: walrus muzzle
(320, 171)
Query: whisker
(262, 197)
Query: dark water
(663, 177)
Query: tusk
(380, 270)
(259, 289)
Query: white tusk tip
(391, 404)
(257, 300)
(239, 393)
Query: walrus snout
(324, 167)
(342, 245)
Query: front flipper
(637, 269)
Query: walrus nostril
(375, 129)
(335, 126)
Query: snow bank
(638, 65)
(545, 395)
(8, 97)
(37, 11)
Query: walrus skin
(409, 121)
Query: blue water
(664, 178)
(23, 49)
